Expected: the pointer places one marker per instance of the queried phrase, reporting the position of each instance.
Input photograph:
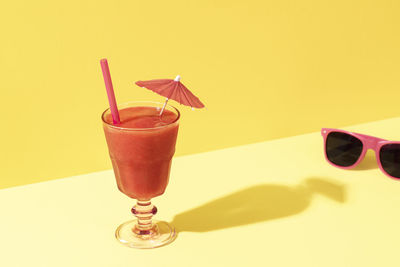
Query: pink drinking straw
(110, 90)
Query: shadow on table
(257, 204)
(368, 163)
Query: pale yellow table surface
(275, 203)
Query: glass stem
(144, 211)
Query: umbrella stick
(165, 104)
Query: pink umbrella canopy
(172, 89)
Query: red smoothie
(141, 148)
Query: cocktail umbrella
(172, 89)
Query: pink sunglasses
(346, 150)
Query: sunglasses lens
(343, 149)
(390, 159)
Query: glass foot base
(160, 234)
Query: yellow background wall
(264, 69)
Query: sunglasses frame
(368, 142)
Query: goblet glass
(141, 158)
